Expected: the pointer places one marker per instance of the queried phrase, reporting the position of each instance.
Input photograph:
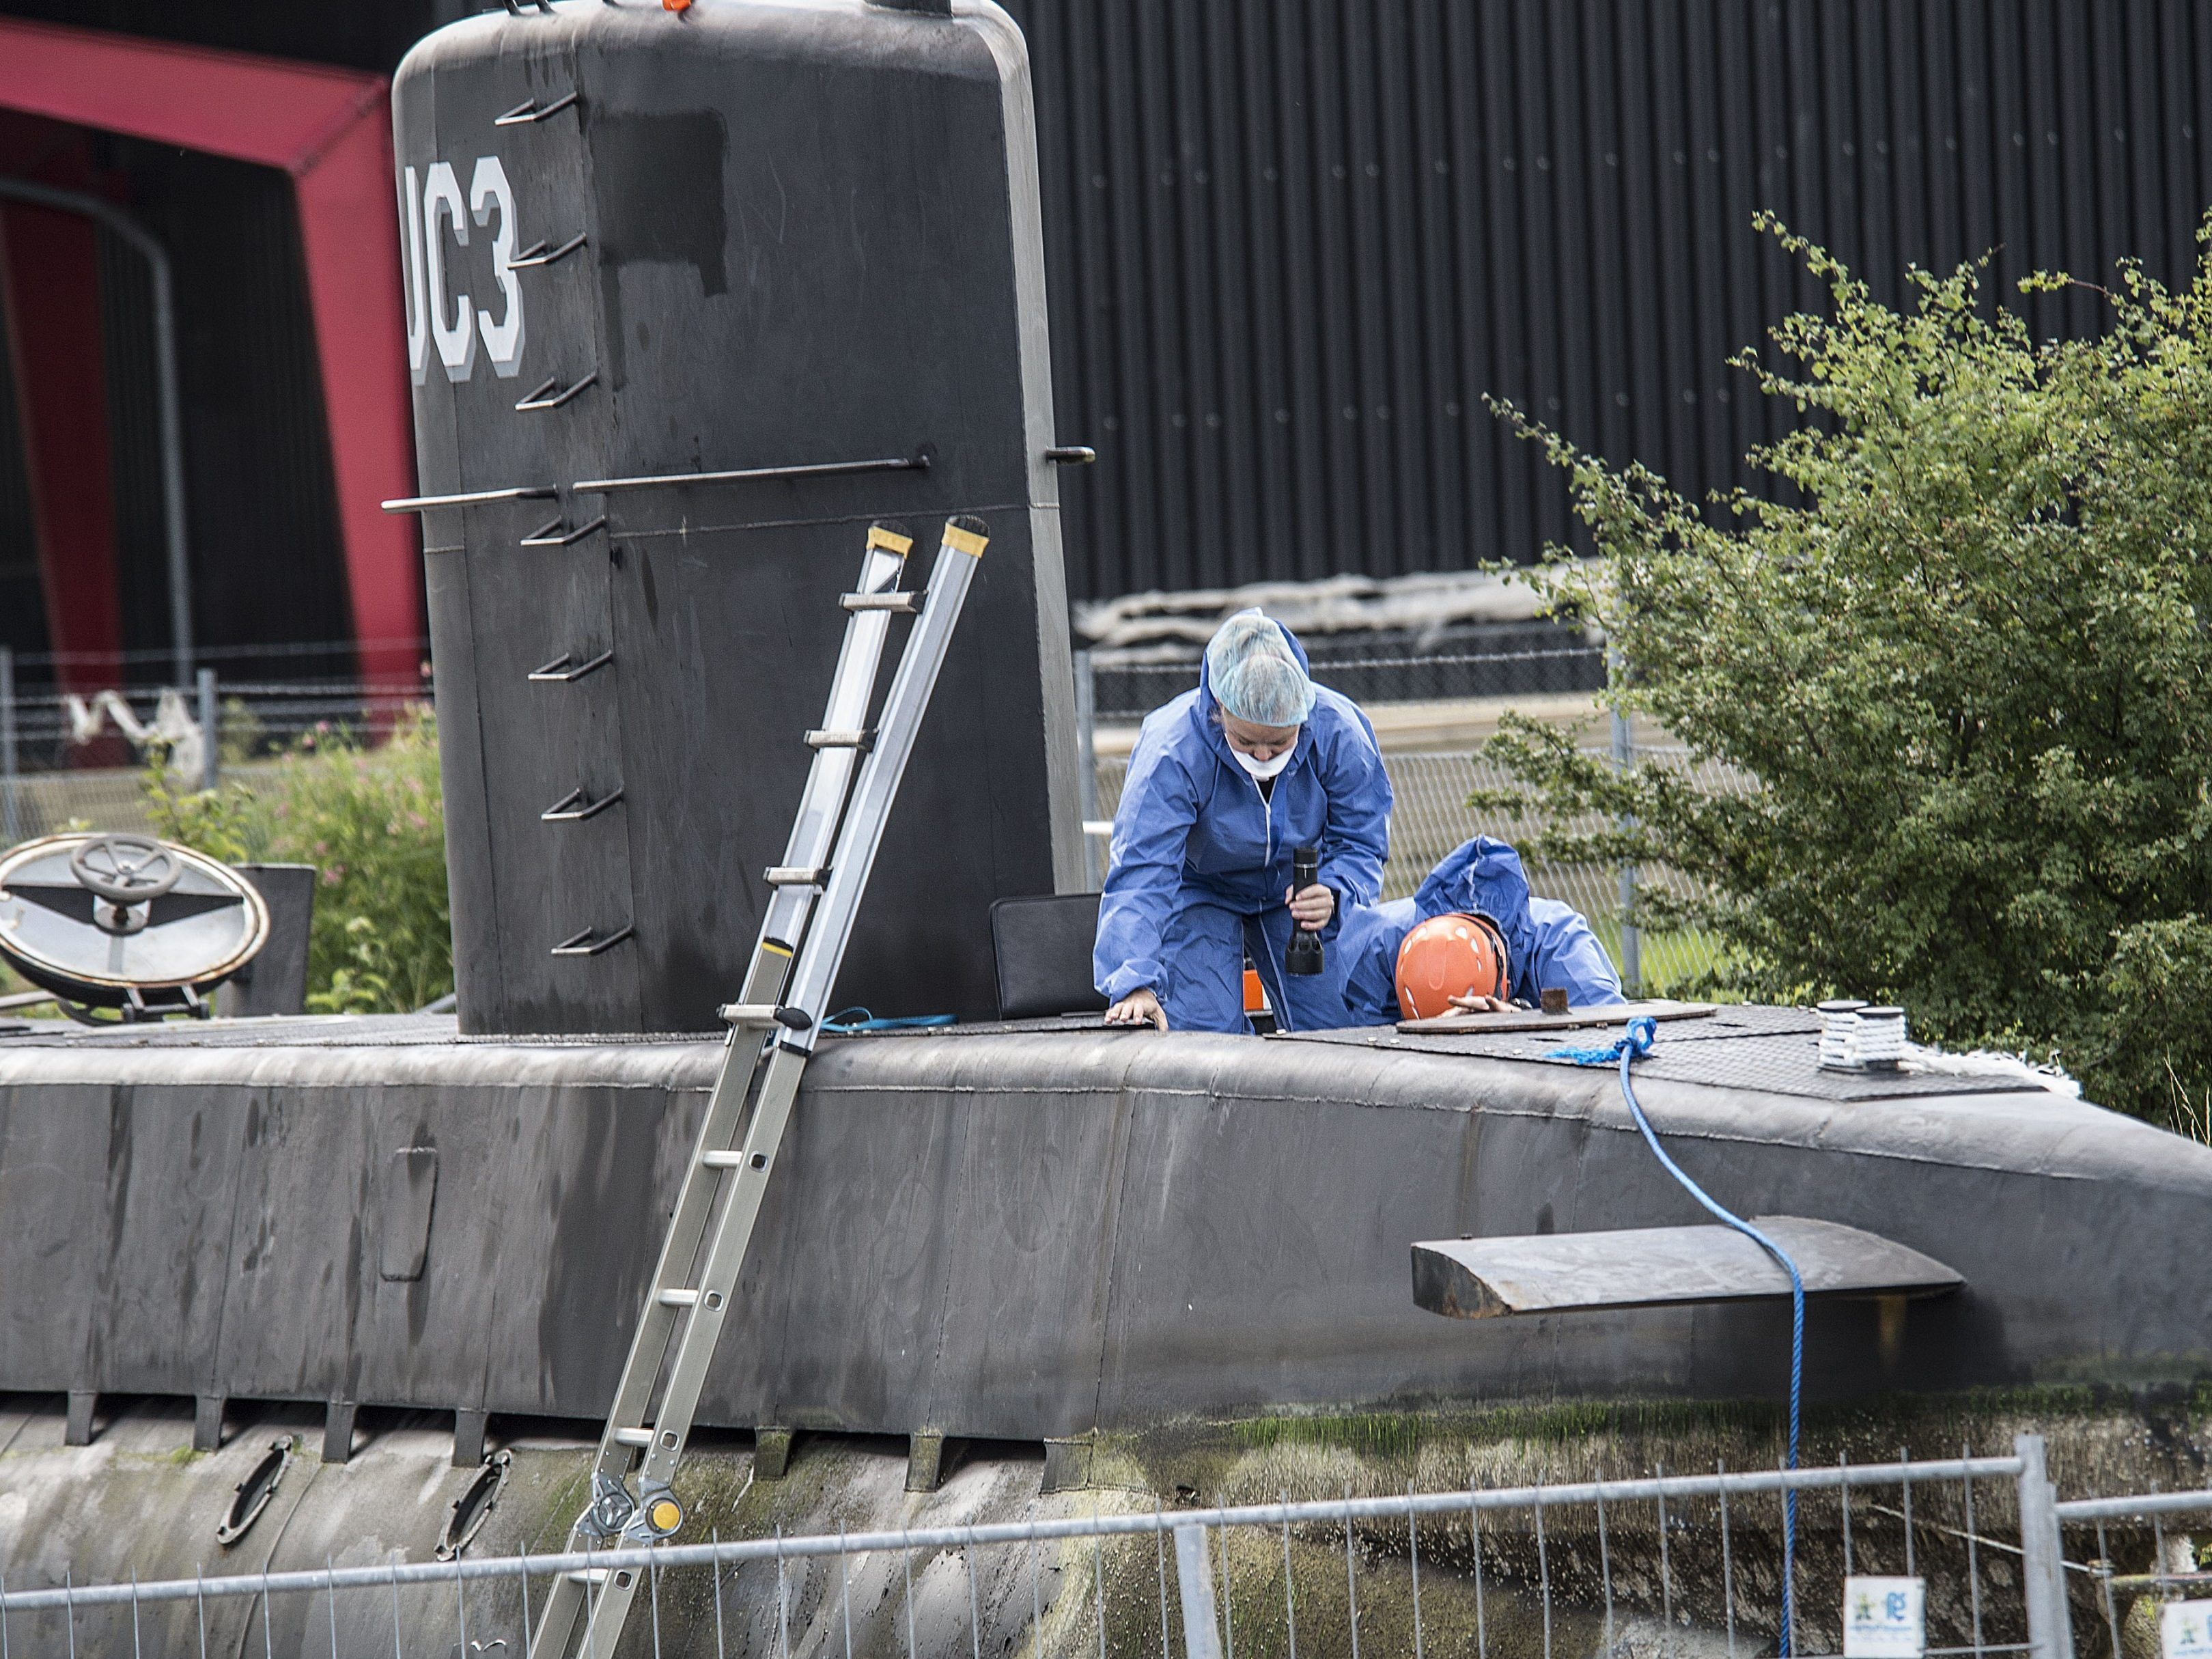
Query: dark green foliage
(371, 823)
(1968, 680)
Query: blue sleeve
(1568, 955)
(1357, 843)
(1368, 945)
(1145, 870)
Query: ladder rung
(797, 875)
(839, 739)
(765, 1014)
(711, 1300)
(633, 1436)
(902, 604)
(588, 1575)
(722, 1160)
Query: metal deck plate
(1576, 1019)
(1775, 1050)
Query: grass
(1676, 961)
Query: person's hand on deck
(1473, 1004)
(1139, 1007)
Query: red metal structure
(329, 131)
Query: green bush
(1966, 671)
(370, 820)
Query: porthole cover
(251, 1496)
(475, 1504)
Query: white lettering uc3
(434, 219)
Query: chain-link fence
(1431, 817)
(68, 713)
(1432, 786)
(48, 802)
(1453, 664)
(77, 758)
(52, 743)
(1910, 1560)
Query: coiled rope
(1634, 1044)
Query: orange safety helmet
(1454, 955)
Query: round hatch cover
(125, 921)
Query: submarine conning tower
(646, 251)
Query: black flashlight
(1304, 953)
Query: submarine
(698, 296)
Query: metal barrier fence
(1573, 1567)
(2165, 1574)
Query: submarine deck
(1038, 1231)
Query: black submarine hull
(1037, 1235)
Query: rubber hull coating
(1036, 1236)
(795, 236)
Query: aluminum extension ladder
(816, 893)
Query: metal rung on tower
(814, 896)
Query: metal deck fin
(1660, 1267)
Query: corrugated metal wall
(1293, 243)
(261, 503)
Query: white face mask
(1264, 768)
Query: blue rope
(846, 1021)
(1635, 1044)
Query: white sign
(2184, 1630)
(1885, 1619)
(435, 217)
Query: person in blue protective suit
(1226, 784)
(1548, 944)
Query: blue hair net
(1255, 675)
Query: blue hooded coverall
(1548, 944)
(1200, 861)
